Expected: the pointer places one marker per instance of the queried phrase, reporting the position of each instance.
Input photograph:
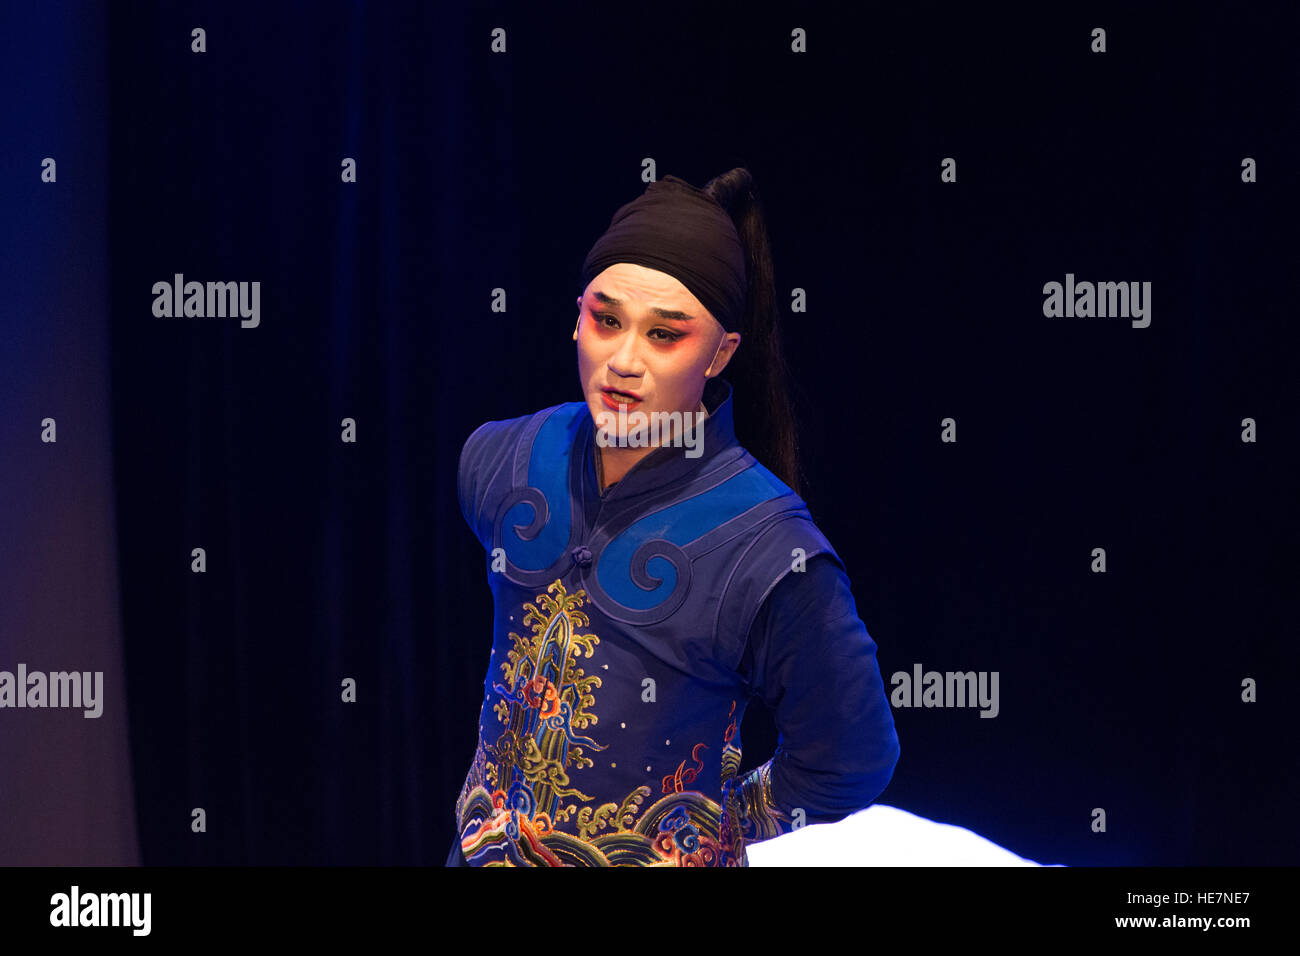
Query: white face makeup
(645, 343)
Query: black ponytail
(765, 420)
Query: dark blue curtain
(65, 778)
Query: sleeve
(810, 659)
(468, 469)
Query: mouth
(616, 399)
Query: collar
(666, 465)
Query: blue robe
(631, 630)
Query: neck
(612, 463)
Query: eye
(663, 336)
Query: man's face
(646, 343)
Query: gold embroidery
(623, 815)
(509, 806)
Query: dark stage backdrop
(925, 175)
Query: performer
(643, 595)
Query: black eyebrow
(662, 313)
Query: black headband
(678, 229)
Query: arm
(810, 659)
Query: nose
(626, 362)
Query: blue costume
(631, 630)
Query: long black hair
(765, 419)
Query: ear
(727, 348)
